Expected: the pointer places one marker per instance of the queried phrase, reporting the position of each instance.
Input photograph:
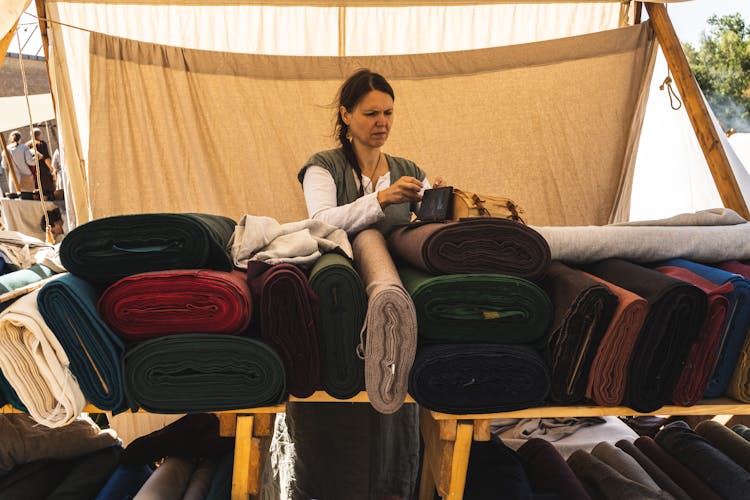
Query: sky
(689, 19)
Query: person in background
(22, 162)
(46, 172)
(55, 222)
(354, 187)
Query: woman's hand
(406, 189)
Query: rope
(672, 94)
(48, 232)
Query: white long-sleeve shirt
(320, 196)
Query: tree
(722, 67)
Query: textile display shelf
(447, 437)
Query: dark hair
(15, 136)
(350, 93)
(54, 216)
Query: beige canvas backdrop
(547, 124)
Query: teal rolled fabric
(105, 250)
(343, 305)
(477, 308)
(192, 373)
(22, 277)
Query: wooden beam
(697, 110)
(5, 43)
(41, 12)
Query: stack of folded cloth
(477, 307)
(676, 312)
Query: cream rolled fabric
(36, 365)
(389, 335)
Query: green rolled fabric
(192, 373)
(343, 305)
(477, 308)
(22, 277)
(105, 250)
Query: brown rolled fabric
(604, 482)
(583, 309)
(477, 245)
(704, 352)
(680, 474)
(608, 374)
(659, 476)
(676, 312)
(389, 338)
(548, 472)
(726, 440)
(288, 314)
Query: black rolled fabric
(676, 313)
(494, 468)
(343, 305)
(583, 309)
(478, 378)
(477, 308)
(202, 373)
(105, 250)
(716, 469)
(8, 395)
(288, 314)
(474, 245)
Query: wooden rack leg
(447, 444)
(241, 473)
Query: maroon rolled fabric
(548, 472)
(680, 474)
(288, 311)
(154, 304)
(736, 267)
(609, 370)
(701, 360)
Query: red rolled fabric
(609, 370)
(704, 353)
(288, 312)
(736, 267)
(153, 304)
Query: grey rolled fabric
(732, 444)
(657, 474)
(389, 340)
(716, 469)
(624, 464)
(604, 482)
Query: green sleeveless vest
(337, 165)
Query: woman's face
(371, 119)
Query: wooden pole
(5, 42)
(696, 108)
(41, 12)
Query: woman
(344, 450)
(357, 185)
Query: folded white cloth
(648, 243)
(263, 239)
(36, 366)
(22, 250)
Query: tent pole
(638, 12)
(41, 13)
(696, 108)
(5, 42)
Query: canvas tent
(213, 106)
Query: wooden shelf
(718, 406)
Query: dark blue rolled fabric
(716, 469)
(125, 482)
(201, 372)
(105, 250)
(478, 378)
(68, 306)
(735, 327)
